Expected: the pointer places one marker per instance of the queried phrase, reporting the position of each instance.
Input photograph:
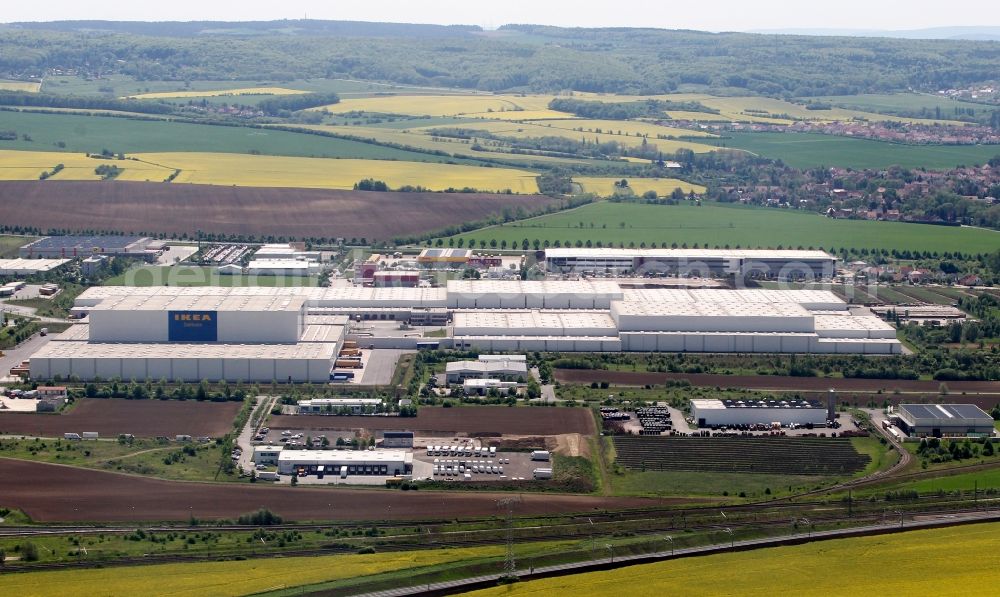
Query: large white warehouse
(498, 316)
(231, 336)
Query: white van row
(462, 450)
(451, 468)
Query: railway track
(583, 528)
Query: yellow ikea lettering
(192, 317)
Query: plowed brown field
(50, 493)
(472, 420)
(142, 418)
(152, 208)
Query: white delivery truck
(543, 473)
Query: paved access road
(249, 430)
(21, 352)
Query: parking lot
(466, 464)
(300, 438)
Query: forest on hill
(513, 58)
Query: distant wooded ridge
(512, 58)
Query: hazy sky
(716, 15)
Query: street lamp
(732, 538)
(612, 550)
(671, 540)
(900, 512)
(808, 526)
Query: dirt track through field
(472, 420)
(171, 208)
(51, 493)
(773, 382)
(142, 418)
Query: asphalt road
(23, 351)
(249, 430)
(381, 365)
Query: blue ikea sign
(193, 326)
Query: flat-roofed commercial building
(444, 257)
(711, 412)
(531, 294)
(336, 406)
(184, 362)
(71, 246)
(198, 318)
(397, 439)
(384, 463)
(28, 267)
(515, 316)
(190, 336)
(282, 267)
(513, 370)
(765, 263)
(944, 420)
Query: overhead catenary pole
(506, 505)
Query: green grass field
(927, 295)
(808, 150)
(899, 103)
(143, 457)
(721, 224)
(9, 245)
(687, 483)
(986, 479)
(82, 133)
(188, 275)
(125, 85)
(732, 485)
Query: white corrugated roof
(608, 252)
(129, 350)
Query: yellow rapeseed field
(29, 86)
(564, 128)
(266, 171)
(943, 562)
(633, 128)
(280, 171)
(775, 111)
(28, 165)
(518, 115)
(422, 139)
(219, 92)
(224, 579)
(605, 187)
(488, 106)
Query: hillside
(515, 57)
